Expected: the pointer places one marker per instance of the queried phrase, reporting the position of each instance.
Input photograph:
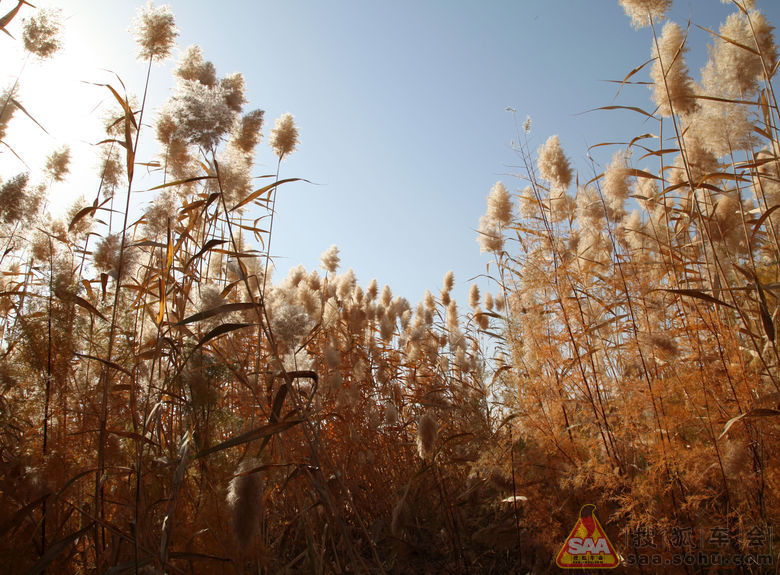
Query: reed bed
(167, 407)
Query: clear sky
(401, 108)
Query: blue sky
(401, 108)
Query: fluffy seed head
(672, 85)
(386, 328)
(387, 296)
(289, 323)
(372, 290)
(429, 301)
(553, 164)
(158, 216)
(235, 91)
(245, 502)
(235, 177)
(7, 108)
(481, 319)
(194, 68)
(284, 136)
(561, 205)
(427, 430)
(726, 218)
(499, 205)
(474, 296)
(720, 128)
(155, 32)
(111, 170)
(248, 131)
(12, 196)
(733, 71)
(528, 204)
(453, 321)
(202, 113)
(109, 258)
(41, 33)
(641, 11)
(616, 188)
(449, 281)
(58, 164)
(329, 260)
(489, 236)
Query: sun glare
(63, 106)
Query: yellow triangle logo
(587, 546)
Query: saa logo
(587, 546)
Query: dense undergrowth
(166, 408)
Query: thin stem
(105, 373)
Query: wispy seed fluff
(194, 68)
(7, 108)
(529, 205)
(235, 91)
(387, 296)
(386, 328)
(245, 502)
(58, 164)
(474, 296)
(284, 136)
(733, 71)
(499, 205)
(453, 322)
(489, 236)
(41, 33)
(248, 132)
(329, 260)
(108, 254)
(632, 225)
(202, 113)
(672, 85)
(289, 322)
(429, 301)
(616, 188)
(720, 128)
(553, 164)
(640, 11)
(372, 290)
(155, 32)
(527, 125)
(449, 281)
(427, 431)
(13, 193)
(345, 284)
(111, 170)
(235, 178)
(561, 205)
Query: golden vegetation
(166, 408)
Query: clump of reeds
(642, 303)
(626, 356)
